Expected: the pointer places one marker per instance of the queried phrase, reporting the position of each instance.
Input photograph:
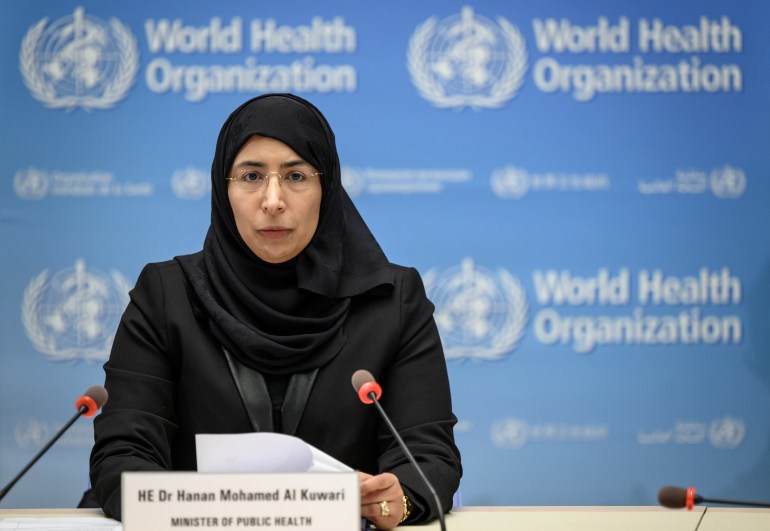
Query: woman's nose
(272, 201)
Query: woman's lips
(274, 232)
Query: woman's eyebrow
(257, 164)
(249, 163)
(294, 162)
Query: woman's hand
(377, 489)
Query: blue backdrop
(583, 186)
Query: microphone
(369, 391)
(677, 497)
(87, 405)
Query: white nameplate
(162, 501)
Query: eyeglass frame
(269, 174)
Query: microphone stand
(733, 502)
(411, 458)
(81, 410)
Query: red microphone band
(89, 403)
(689, 500)
(366, 389)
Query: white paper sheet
(261, 452)
(58, 524)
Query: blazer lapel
(254, 394)
(252, 387)
(296, 398)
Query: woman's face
(278, 221)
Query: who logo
(480, 314)
(73, 314)
(467, 60)
(31, 184)
(190, 183)
(727, 433)
(728, 182)
(79, 61)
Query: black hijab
(289, 317)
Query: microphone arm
(87, 405)
(369, 391)
(734, 502)
(40, 454)
(411, 458)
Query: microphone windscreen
(672, 497)
(360, 377)
(98, 394)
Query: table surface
(548, 518)
(571, 518)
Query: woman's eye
(253, 176)
(295, 176)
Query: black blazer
(168, 379)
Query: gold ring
(384, 508)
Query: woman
(264, 327)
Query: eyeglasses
(253, 181)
